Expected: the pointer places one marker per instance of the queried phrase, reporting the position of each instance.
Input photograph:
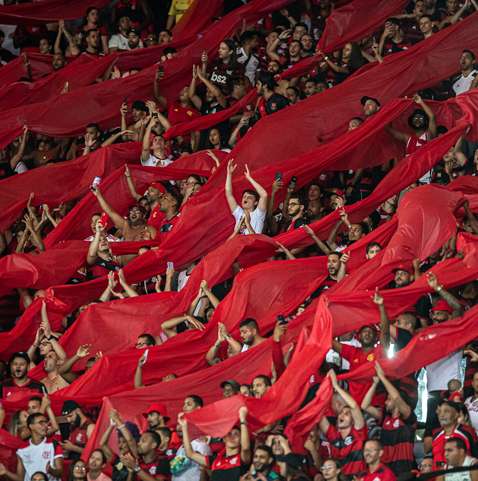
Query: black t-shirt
(9, 387)
(403, 338)
(276, 102)
(223, 74)
(225, 468)
(6, 55)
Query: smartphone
(293, 182)
(104, 219)
(96, 182)
(278, 176)
(170, 265)
(145, 356)
(281, 319)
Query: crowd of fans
(370, 431)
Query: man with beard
(398, 428)
(150, 466)
(376, 470)
(347, 437)
(456, 457)
(249, 332)
(40, 454)
(450, 427)
(272, 102)
(53, 381)
(422, 122)
(80, 429)
(19, 381)
(156, 416)
(357, 356)
(467, 79)
(132, 229)
(295, 211)
(262, 464)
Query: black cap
(21, 354)
(364, 99)
(68, 407)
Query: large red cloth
(348, 23)
(47, 11)
(101, 102)
(65, 180)
(15, 70)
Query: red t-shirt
(156, 218)
(348, 450)
(381, 474)
(356, 357)
(440, 438)
(177, 114)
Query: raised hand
(377, 297)
(83, 350)
(432, 280)
(231, 166)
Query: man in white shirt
(251, 214)
(40, 454)
(119, 41)
(466, 80)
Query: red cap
(156, 408)
(402, 267)
(442, 305)
(159, 186)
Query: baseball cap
(365, 98)
(20, 354)
(68, 407)
(231, 382)
(156, 408)
(402, 267)
(442, 305)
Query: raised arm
(397, 134)
(118, 221)
(357, 416)
(432, 126)
(17, 157)
(216, 92)
(157, 94)
(92, 254)
(193, 97)
(189, 451)
(385, 328)
(231, 167)
(212, 298)
(321, 245)
(258, 188)
(403, 407)
(127, 288)
(452, 301)
(367, 401)
(245, 440)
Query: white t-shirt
(463, 83)
(258, 217)
(189, 470)
(119, 41)
(471, 404)
(36, 456)
(442, 371)
(153, 161)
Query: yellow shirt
(179, 7)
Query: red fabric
(47, 11)
(15, 70)
(349, 23)
(65, 180)
(100, 102)
(82, 71)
